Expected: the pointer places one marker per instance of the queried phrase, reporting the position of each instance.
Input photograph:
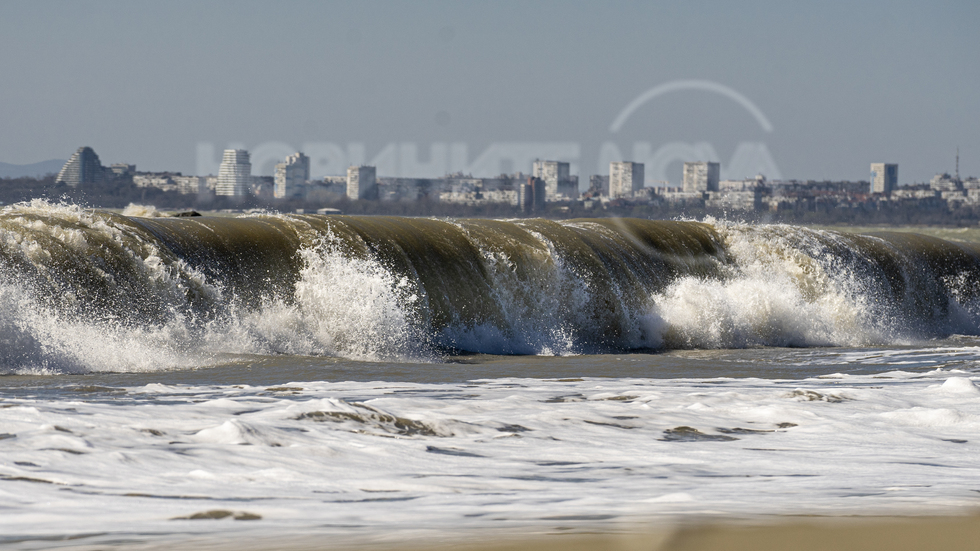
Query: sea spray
(792, 286)
(89, 290)
(342, 306)
(776, 292)
(81, 292)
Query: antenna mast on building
(957, 162)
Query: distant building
(558, 183)
(599, 185)
(190, 185)
(701, 176)
(884, 178)
(568, 189)
(731, 199)
(235, 174)
(915, 193)
(291, 176)
(478, 193)
(362, 182)
(532, 198)
(748, 184)
(121, 170)
(160, 180)
(625, 178)
(262, 186)
(83, 167)
(678, 198)
(945, 182)
(171, 181)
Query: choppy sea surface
(359, 452)
(359, 380)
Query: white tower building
(291, 176)
(555, 175)
(625, 178)
(701, 176)
(884, 177)
(235, 174)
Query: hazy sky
(843, 84)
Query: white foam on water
(356, 306)
(63, 333)
(776, 294)
(342, 306)
(350, 307)
(143, 211)
(781, 286)
(369, 460)
(960, 385)
(37, 340)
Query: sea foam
(86, 290)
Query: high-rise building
(235, 174)
(84, 167)
(531, 195)
(291, 176)
(701, 176)
(625, 178)
(361, 183)
(884, 178)
(599, 185)
(556, 177)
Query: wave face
(84, 290)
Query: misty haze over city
(419, 89)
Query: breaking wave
(84, 290)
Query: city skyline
(550, 181)
(294, 169)
(150, 83)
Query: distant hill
(33, 170)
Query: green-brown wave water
(178, 290)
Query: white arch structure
(679, 85)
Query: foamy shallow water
(396, 454)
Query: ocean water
(350, 380)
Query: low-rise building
(945, 182)
(405, 189)
(914, 193)
(190, 185)
(159, 180)
(750, 199)
(122, 170)
(748, 184)
(681, 198)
